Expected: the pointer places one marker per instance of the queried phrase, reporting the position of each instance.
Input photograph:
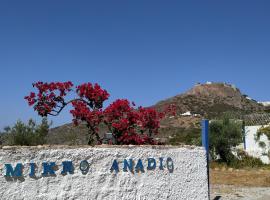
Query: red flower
(127, 124)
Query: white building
(257, 147)
(254, 147)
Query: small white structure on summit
(247, 97)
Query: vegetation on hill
(180, 136)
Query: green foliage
(262, 144)
(243, 160)
(263, 130)
(26, 134)
(224, 135)
(191, 136)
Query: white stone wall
(187, 181)
(252, 146)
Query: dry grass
(241, 177)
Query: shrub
(263, 130)
(244, 160)
(190, 136)
(224, 135)
(27, 134)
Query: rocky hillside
(211, 100)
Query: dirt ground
(252, 178)
(232, 192)
(232, 184)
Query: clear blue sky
(141, 50)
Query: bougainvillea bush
(127, 123)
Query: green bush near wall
(26, 134)
(224, 135)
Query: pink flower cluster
(49, 96)
(129, 125)
(93, 93)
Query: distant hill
(210, 100)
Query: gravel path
(229, 192)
